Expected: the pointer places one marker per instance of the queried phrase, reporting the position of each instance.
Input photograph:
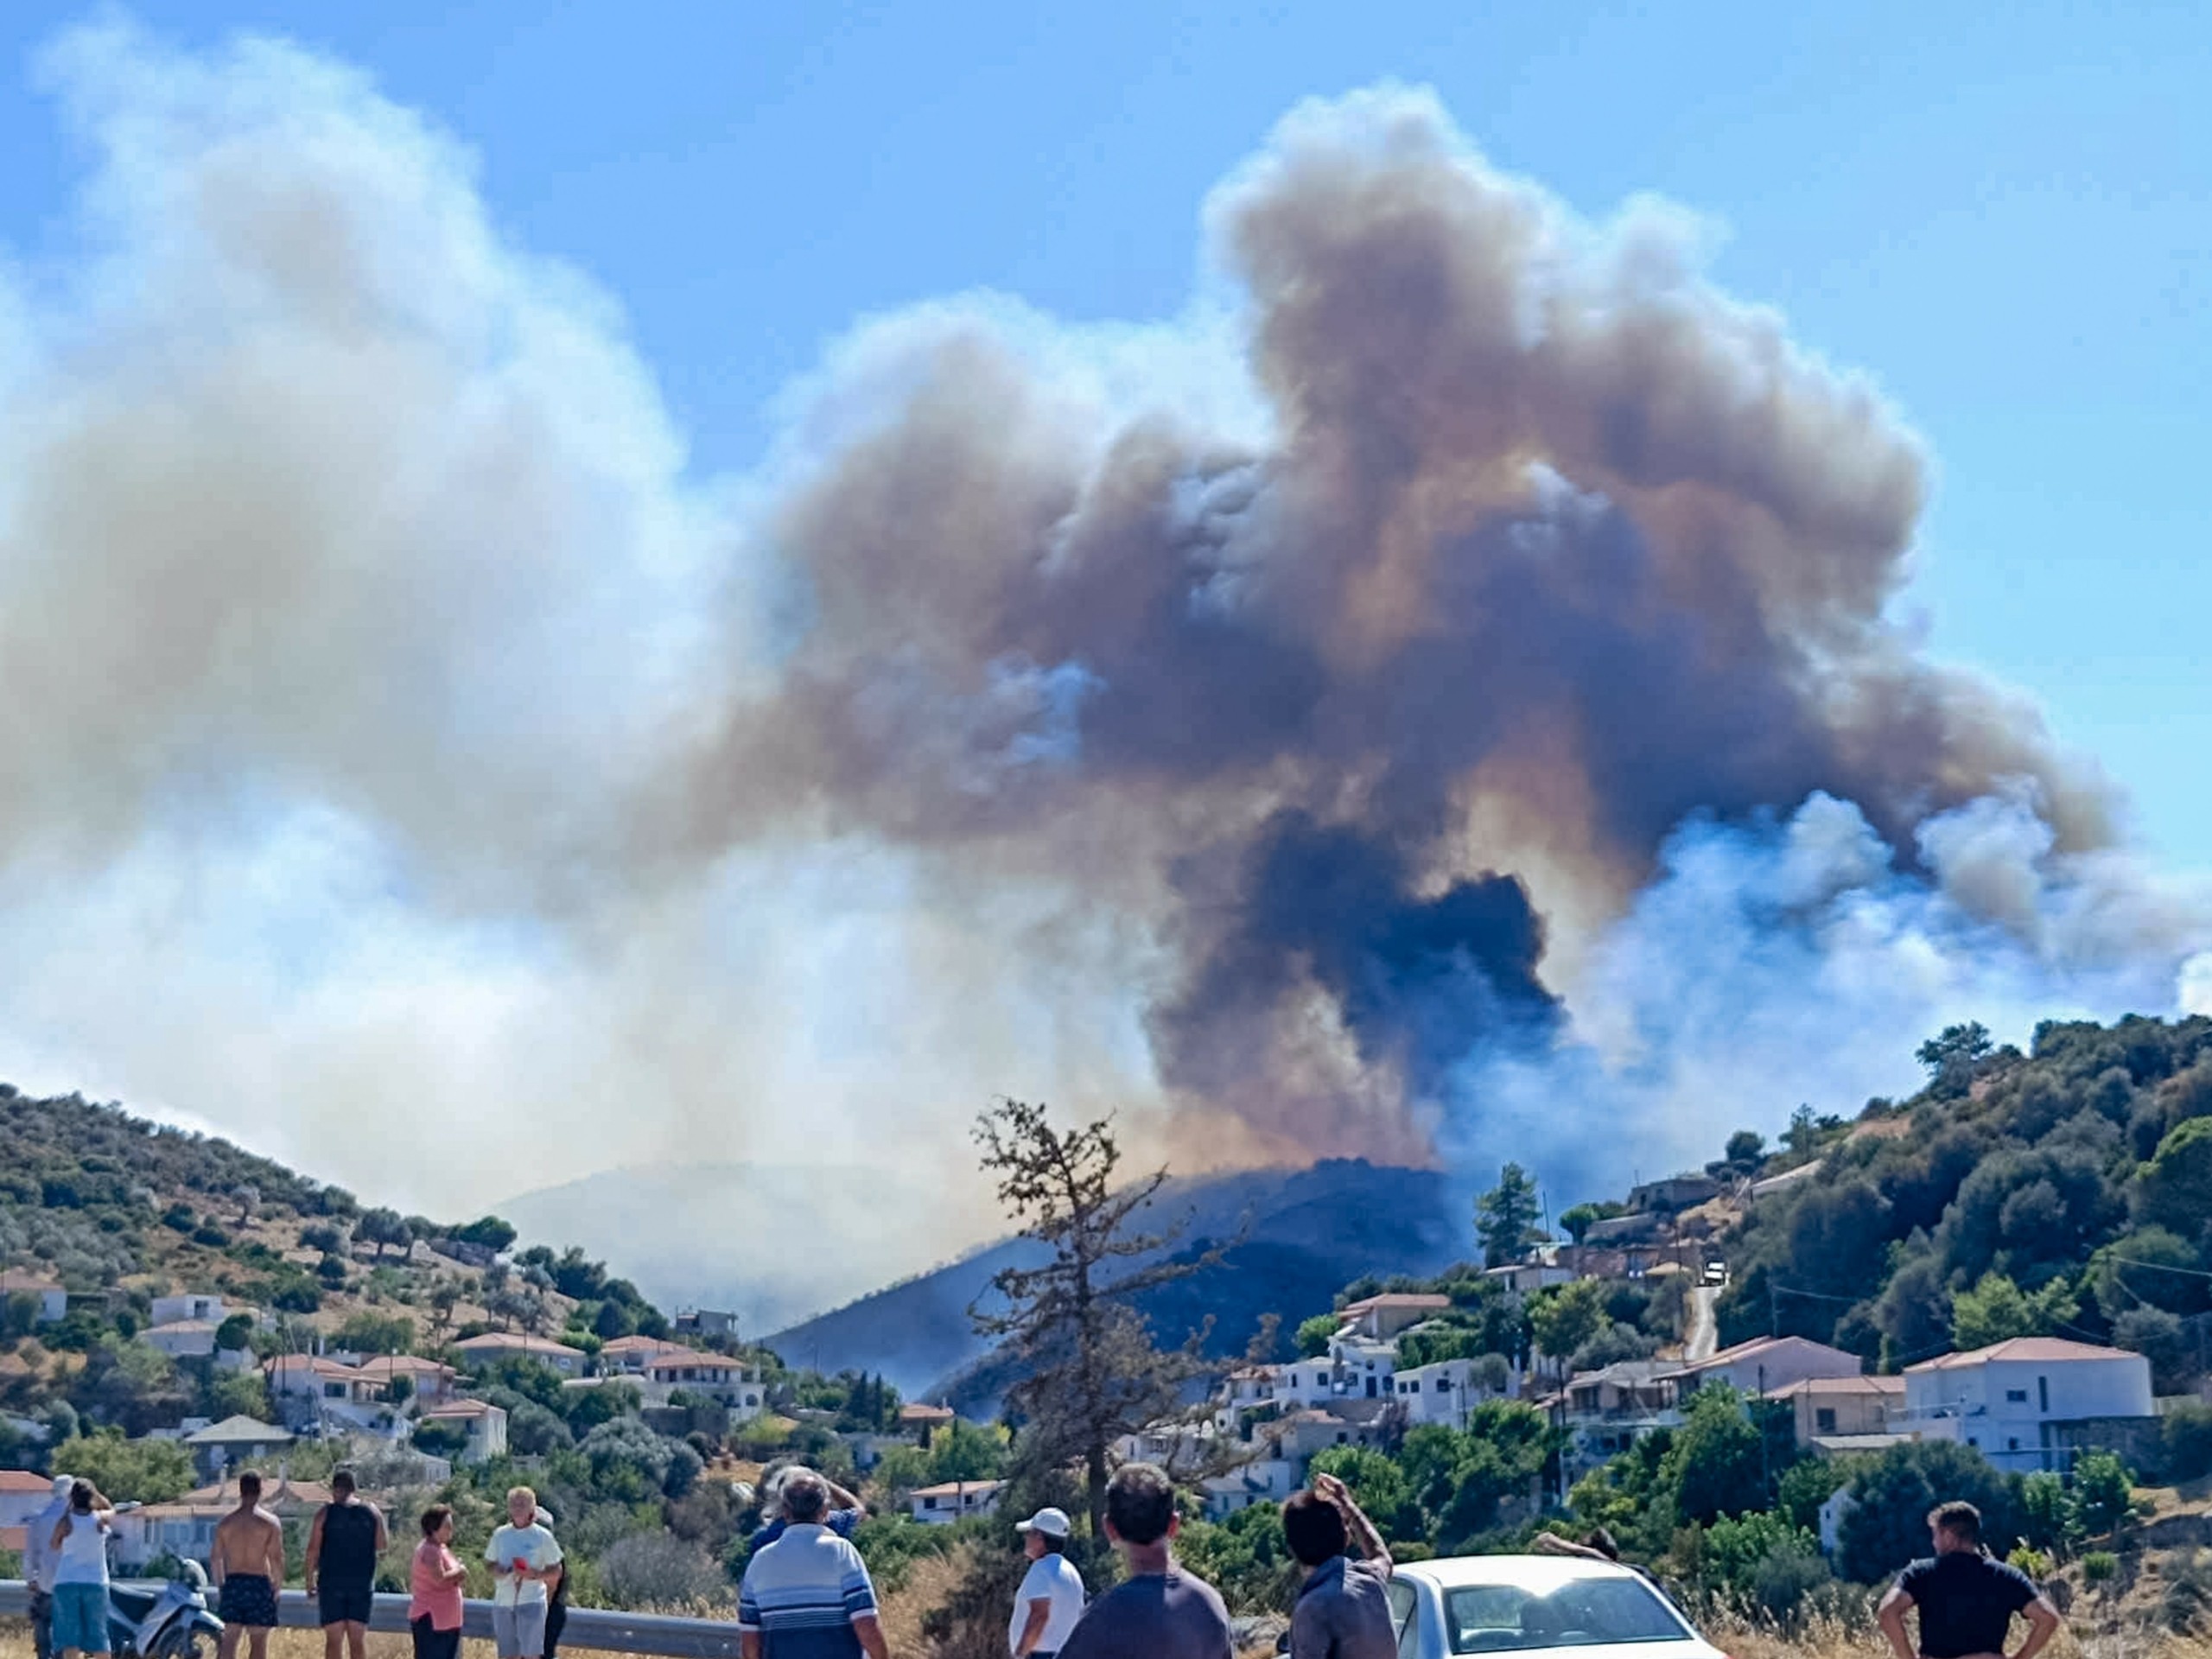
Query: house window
(1824, 1420)
(1443, 1386)
(2042, 1387)
(2016, 1397)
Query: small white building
(2011, 1400)
(484, 1423)
(182, 1338)
(1380, 1318)
(236, 1442)
(1248, 1387)
(628, 1356)
(1442, 1393)
(52, 1299)
(192, 1308)
(427, 1380)
(955, 1500)
(495, 1345)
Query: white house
(1767, 1363)
(1379, 1319)
(485, 1424)
(955, 1500)
(711, 1376)
(1361, 1366)
(52, 1299)
(628, 1355)
(191, 1307)
(1442, 1393)
(2010, 1399)
(182, 1338)
(1607, 1411)
(311, 1389)
(22, 1494)
(495, 1345)
(1248, 1387)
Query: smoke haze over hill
(1434, 697)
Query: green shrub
(2100, 1567)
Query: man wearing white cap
(1050, 1600)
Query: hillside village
(176, 1311)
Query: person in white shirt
(80, 1543)
(1051, 1598)
(39, 1559)
(524, 1560)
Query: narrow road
(1702, 1341)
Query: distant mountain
(1304, 1233)
(736, 1236)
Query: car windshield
(1582, 1613)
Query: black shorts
(250, 1599)
(345, 1604)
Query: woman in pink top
(434, 1612)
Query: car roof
(1538, 1574)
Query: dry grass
(1834, 1642)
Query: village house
(235, 1443)
(1607, 1411)
(186, 1528)
(182, 1338)
(52, 1299)
(725, 1381)
(1381, 1318)
(922, 1421)
(955, 1500)
(192, 1308)
(627, 1356)
(2016, 1401)
(427, 1381)
(496, 1345)
(1844, 1414)
(1444, 1392)
(709, 1324)
(1246, 1389)
(1766, 1364)
(22, 1494)
(484, 1424)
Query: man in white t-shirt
(524, 1560)
(1050, 1600)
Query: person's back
(1161, 1611)
(1170, 1615)
(1343, 1610)
(802, 1593)
(349, 1546)
(1966, 1601)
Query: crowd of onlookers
(807, 1594)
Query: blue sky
(2001, 214)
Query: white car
(1537, 1604)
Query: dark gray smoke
(1546, 547)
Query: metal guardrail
(598, 1629)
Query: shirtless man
(247, 1563)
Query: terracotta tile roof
(2032, 1349)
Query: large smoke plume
(1444, 689)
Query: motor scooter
(169, 1620)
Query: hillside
(1303, 1233)
(2063, 1191)
(100, 1200)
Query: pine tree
(1094, 1372)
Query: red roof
(1412, 1301)
(22, 1480)
(2032, 1349)
(1838, 1385)
(15, 1538)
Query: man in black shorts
(343, 1545)
(247, 1566)
(1966, 1600)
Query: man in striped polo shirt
(807, 1595)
